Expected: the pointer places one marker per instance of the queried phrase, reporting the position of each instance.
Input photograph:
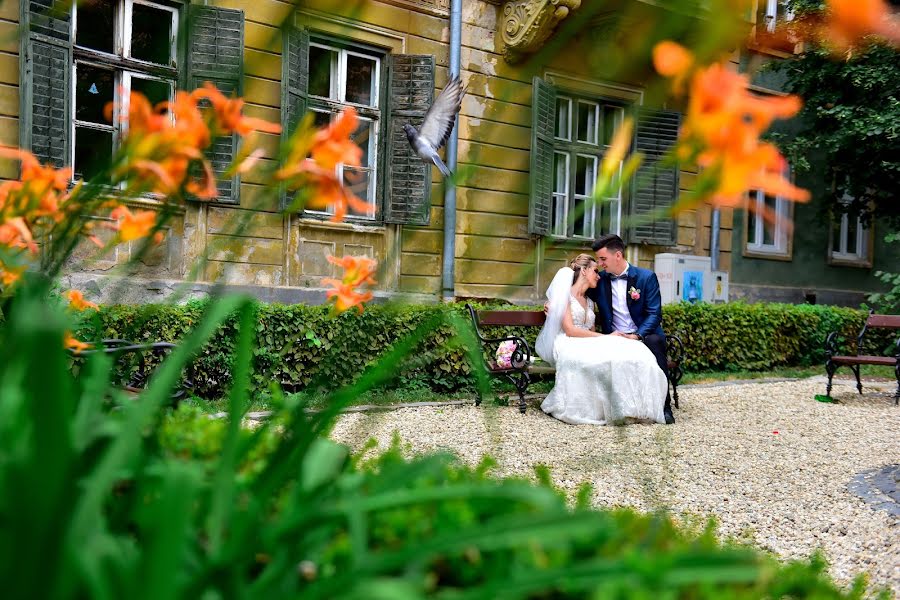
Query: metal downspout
(448, 271)
(714, 240)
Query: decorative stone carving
(526, 24)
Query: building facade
(532, 132)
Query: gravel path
(768, 461)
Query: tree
(850, 122)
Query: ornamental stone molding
(439, 8)
(526, 24)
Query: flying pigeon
(437, 125)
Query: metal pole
(449, 276)
(714, 240)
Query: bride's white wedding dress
(602, 380)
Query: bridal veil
(558, 296)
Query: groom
(629, 303)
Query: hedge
(304, 346)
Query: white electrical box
(686, 278)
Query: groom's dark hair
(610, 241)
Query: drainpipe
(449, 275)
(714, 240)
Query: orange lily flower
(847, 22)
(133, 226)
(673, 60)
(10, 275)
(333, 146)
(77, 346)
(358, 270)
(722, 127)
(311, 164)
(228, 113)
(77, 301)
(345, 296)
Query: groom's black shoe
(667, 413)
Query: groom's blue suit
(646, 310)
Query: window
(850, 239)
(120, 46)
(584, 129)
(775, 13)
(768, 224)
(341, 77)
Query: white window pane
(585, 175)
(361, 80)
(612, 120)
(151, 34)
(609, 216)
(95, 22)
(358, 182)
(93, 91)
(93, 152)
(558, 210)
(581, 218)
(364, 137)
(768, 217)
(154, 90)
(563, 118)
(587, 122)
(560, 173)
(852, 235)
(322, 62)
(321, 118)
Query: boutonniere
(634, 293)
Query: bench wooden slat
(889, 361)
(888, 321)
(534, 318)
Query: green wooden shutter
(46, 72)
(215, 54)
(543, 122)
(408, 179)
(656, 188)
(295, 78)
(295, 81)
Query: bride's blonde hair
(582, 261)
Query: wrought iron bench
(522, 367)
(833, 360)
(133, 364)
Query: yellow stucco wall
(253, 243)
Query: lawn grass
(541, 386)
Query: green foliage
(889, 301)
(737, 336)
(132, 503)
(305, 348)
(850, 122)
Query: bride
(600, 378)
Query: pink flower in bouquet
(504, 354)
(634, 293)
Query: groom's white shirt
(621, 318)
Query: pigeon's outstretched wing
(438, 122)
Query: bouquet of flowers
(504, 354)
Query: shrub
(304, 347)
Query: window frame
(124, 69)
(754, 245)
(375, 112)
(772, 14)
(574, 148)
(863, 256)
